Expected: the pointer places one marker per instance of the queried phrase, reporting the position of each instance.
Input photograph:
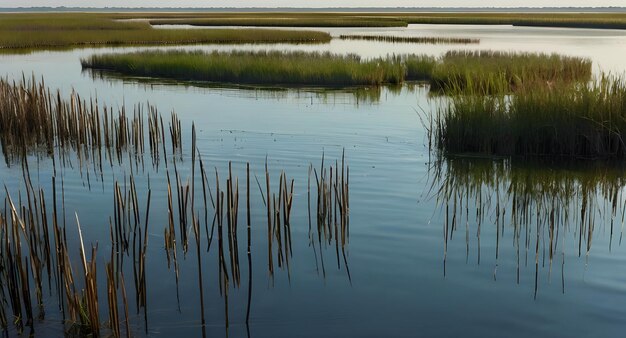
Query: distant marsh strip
(69, 30)
(265, 21)
(411, 39)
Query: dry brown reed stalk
(278, 221)
(126, 320)
(205, 187)
(33, 119)
(232, 208)
(249, 244)
(333, 209)
(139, 256)
(176, 134)
(170, 234)
(182, 198)
(222, 269)
(269, 222)
(90, 294)
(114, 321)
(196, 226)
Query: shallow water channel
(436, 247)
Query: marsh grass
(565, 121)
(487, 72)
(477, 72)
(563, 20)
(315, 21)
(32, 31)
(410, 39)
(370, 19)
(265, 67)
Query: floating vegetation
(543, 210)
(410, 39)
(35, 31)
(581, 122)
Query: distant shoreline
(326, 9)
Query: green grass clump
(484, 72)
(23, 31)
(571, 121)
(455, 72)
(418, 67)
(264, 67)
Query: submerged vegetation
(23, 31)
(456, 71)
(578, 121)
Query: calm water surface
(408, 213)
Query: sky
(315, 3)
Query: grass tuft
(567, 121)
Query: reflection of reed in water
(541, 205)
(333, 211)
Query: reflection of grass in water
(350, 95)
(539, 205)
(578, 122)
(35, 31)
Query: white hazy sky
(314, 3)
